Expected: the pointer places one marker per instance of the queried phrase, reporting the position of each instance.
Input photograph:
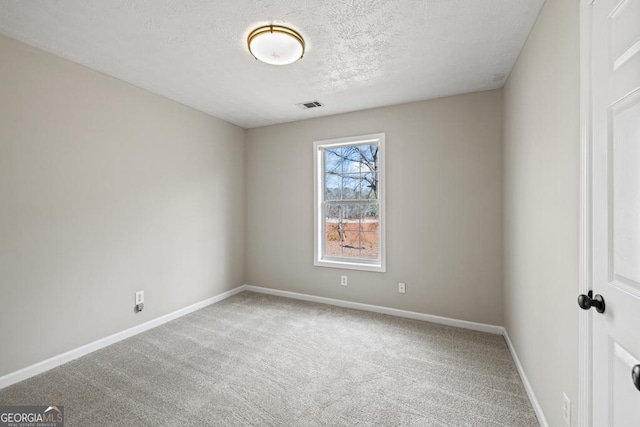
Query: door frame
(585, 327)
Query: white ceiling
(360, 53)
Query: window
(349, 203)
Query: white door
(615, 88)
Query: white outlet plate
(343, 280)
(139, 297)
(402, 287)
(566, 409)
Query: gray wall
(106, 189)
(541, 137)
(444, 207)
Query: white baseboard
(70, 355)
(63, 358)
(527, 385)
(482, 327)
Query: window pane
(332, 212)
(350, 225)
(352, 239)
(370, 243)
(350, 187)
(369, 186)
(351, 253)
(332, 241)
(351, 172)
(352, 230)
(370, 231)
(332, 187)
(370, 213)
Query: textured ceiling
(360, 53)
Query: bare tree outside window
(351, 205)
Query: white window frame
(319, 258)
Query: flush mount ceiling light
(276, 45)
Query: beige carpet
(260, 360)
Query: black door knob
(586, 302)
(635, 376)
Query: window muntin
(349, 211)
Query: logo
(31, 416)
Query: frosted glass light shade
(276, 45)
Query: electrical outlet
(402, 287)
(139, 306)
(566, 409)
(343, 280)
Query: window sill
(378, 268)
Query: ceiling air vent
(310, 104)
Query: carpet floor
(259, 360)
